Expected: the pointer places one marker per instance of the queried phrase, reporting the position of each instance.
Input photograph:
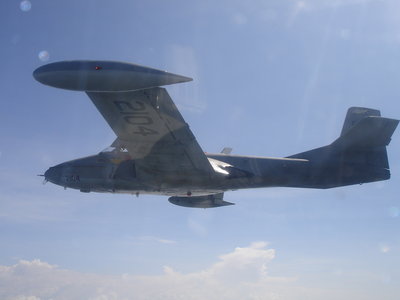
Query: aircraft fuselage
(105, 172)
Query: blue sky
(271, 78)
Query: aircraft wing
(142, 115)
(150, 127)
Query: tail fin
(364, 138)
(364, 129)
(355, 114)
(357, 156)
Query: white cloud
(241, 274)
(244, 264)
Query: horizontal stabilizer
(369, 132)
(208, 201)
(103, 76)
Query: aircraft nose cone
(53, 174)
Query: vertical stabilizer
(357, 156)
(355, 114)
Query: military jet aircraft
(156, 153)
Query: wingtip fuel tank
(103, 76)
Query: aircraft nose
(53, 174)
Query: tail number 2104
(135, 114)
